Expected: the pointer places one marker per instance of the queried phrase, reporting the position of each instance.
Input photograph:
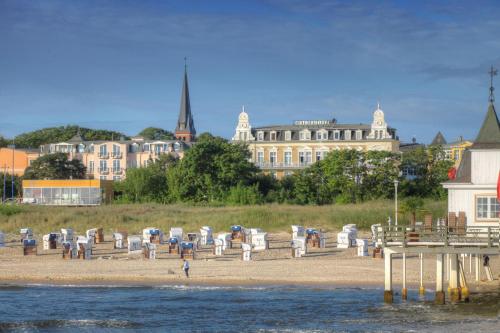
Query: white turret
(243, 130)
(379, 126)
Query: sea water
(180, 308)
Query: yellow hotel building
(282, 149)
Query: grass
(135, 217)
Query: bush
(9, 210)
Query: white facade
(474, 190)
(243, 129)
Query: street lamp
(396, 182)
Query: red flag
(452, 173)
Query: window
(103, 150)
(103, 165)
(319, 155)
(288, 135)
(102, 177)
(305, 135)
(272, 157)
(116, 165)
(322, 135)
(260, 136)
(81, 148)
(273, 136)
(487, 207)
(347, 135)
(359, 135)
(146, 147)
(116, 151)
(305, 157)
(260, 157)
(157, 149)
(91, 167)
(177, 146)
(336, 135)
(117, 178)
(288, 158)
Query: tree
(3, 142)
(155, 133)
(429, 169)
(55, 166)
(411, 206)
(209, 169)
(63, 133)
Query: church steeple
(185, 125)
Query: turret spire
(492, 72)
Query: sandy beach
(328, 266)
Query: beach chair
(67, 235)
(99, 236)
(134, 244)
(50, 241)
(297, 231)
(2, 239)
(187, 250)
(452, 221)
(173, 245)
(26, 233)
(299, 247)
(149, 251)
(218, 245)
(29, 247)
(428, 222)
(461, 223)
(206, 235)
(246, 252)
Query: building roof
(489, 134)
(185, 122)
(463, 174)
(311, 127)
(438, 140)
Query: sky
(119, 64)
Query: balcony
(282, 166)
(117, 171)
(103, 155)
(117, 155)
(103, 171)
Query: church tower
(185, 130)
(243, 129)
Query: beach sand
(328, 266)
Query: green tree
(8, 185)
(3, 142)
(148, 183)
(382, 170)
(63, 133)
(209, 169)
(55, 166)
(155, 133)
(411, 206)
(429, 169)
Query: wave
(67, 323)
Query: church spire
(489, 134)
(185, 125)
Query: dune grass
(135, 217)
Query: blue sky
(118, 64)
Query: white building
(474, 189)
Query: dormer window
(336, 135)
(347, 134)
(260, 136)
(359, 135)
(288, 135)
(272, 135)
(322, 135)
(305, 135)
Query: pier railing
(392, 236)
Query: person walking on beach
(185, 267)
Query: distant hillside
(63, 133)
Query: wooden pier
(448, 244)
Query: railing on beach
(401, 236)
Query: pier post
(404, 291)
(454, 283)
(470, 263)
(439, 279)
(388, 297)
(421, 290)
